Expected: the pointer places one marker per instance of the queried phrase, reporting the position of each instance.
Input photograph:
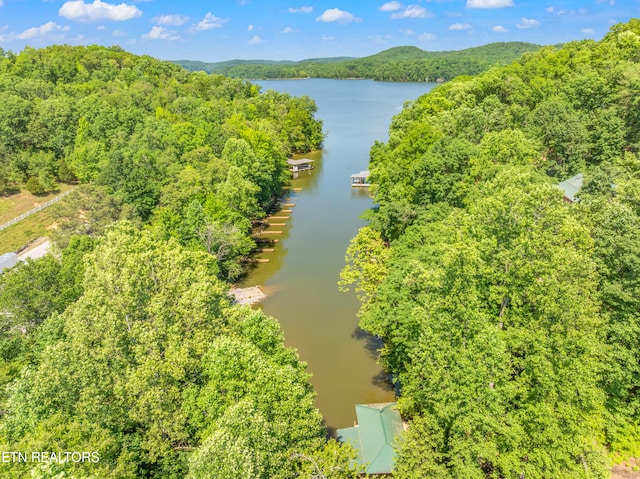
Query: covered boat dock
(360, 179)
(302, 164)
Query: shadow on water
(383, 380)
(372, 344)
(331, 431)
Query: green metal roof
(374, 436)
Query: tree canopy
(192, 154)
(509, 316)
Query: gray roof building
(571, 187)
(8, 260)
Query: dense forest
(122, 343)
(394, 64)
(511, 317)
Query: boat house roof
(363, 174)
(303, 161)
(373, 437)
(571, 187)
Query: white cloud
(328, 38)
(610, 2)
(250, 28)
(380, 39)
(489, 3)
(407, 31)
(528, 23)
(119, 33)
(301, 10)
(98, 11)
(42, 30)
(256, 40)
(588, 31)
(101, 28)
(174, 20)
(459, 26)
(390, 7)
(564, 11)
(289, 30)
(161, 33)
(208, 22)
(1, 3)
(412, 11)
(337, 15)
(427, 37)
(499, 29)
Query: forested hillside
(511, 317)
(123, 344)
(394, 64)
(197, 156)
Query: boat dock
(360, 179)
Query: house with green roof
(374, 435)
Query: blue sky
(298, 29)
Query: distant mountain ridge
(216, 67)
(404, 63)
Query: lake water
(301, 277)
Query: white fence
(35, 210)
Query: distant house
(571, 187)
(374, 435)
(8, 260)
(360, 179)
(300, 165)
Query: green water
(301, 277)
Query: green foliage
(153, 367)
(509, 317)
(366, 259)
(143, 131)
